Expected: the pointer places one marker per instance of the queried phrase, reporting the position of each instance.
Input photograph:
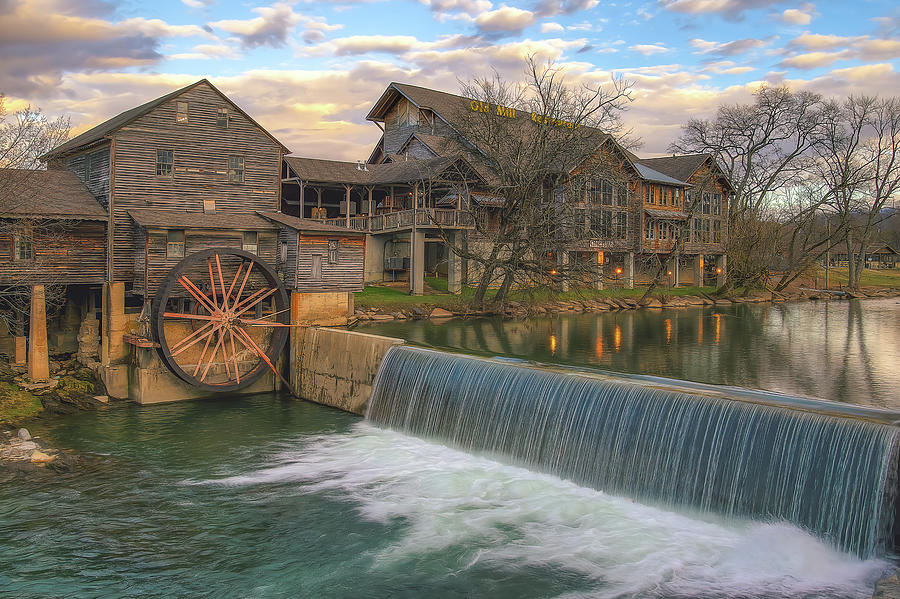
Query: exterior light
(718, 271)
(618, 271)
(670, 273)
(553, 272)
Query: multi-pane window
(705, 230)
(235, 169)
(705, 203)
(282, 254)
(22, 246)
(181, 112)
(175, 244)
(717, 204)
(165, 162)
(250, 242)
(696, 234)
(717, 231)
(596, 222)
(606, 193)
(647, 197)
(332, 251)
(222, 117)
(649, 229)
(663, 230)
(622, 196)
(621, 223)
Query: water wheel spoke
(203, 353)
(179, 348)
(237, 373)
(263, 355)
(222, 283)
(252, 322)
(256, 301)
(181, 315)
(244, 282)
(225, 357)
(212, 284)
(234, 282)
(212, 358)
(197, 294)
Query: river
(269, 497)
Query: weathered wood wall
(92, 167)
(194, 241)
(346, 275)
(287, 267)
(201, 149)
(68, 253)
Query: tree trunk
(851, 263)
(500, 298)
(486, 276)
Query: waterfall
(833, 476)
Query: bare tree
(760, 146)
(532, 140)
(858, 160)
(24, 136)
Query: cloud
(799, 16)
(444, 9)
(551, 27)
(159, 28)
(729, 9)
(208, 52)
(727, 48)
(365, 44)
(811, 50)
(271, 28)
(197, 3)
(552, 8)
(726, 67)
(506, 19)
(649, 49)
(814, 60)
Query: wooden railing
(403, 219)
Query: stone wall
(336, 367)
(321, 308)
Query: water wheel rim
(267, 356)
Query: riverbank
(389, 303)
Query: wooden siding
(68, 253)
(201, 149)
(288, 268)
(92, 167)
(346, 275)
(395, 134)
(194, 241)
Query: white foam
(511, 517)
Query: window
(175, 244)
(677, 202)
(717, 204)
(235, 169)
(283, 252)
(606, 193)
(578, 189)
(222, 117)
(250, 242)
(22, 246)
(315, 273)
(705, 230)
(622, 196)
(596, 222)
(181, 112)
(621, 224)
(165, 163)
(649, 227)
(594, 191)
(332, 251)
(647, 197)
(717, 231)
(209, 205)
(696, 235)
(705, 203)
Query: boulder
(441, 313)
(39, 457)
(24, 434)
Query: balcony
(433, 218)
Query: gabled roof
(57, 194)
(306, 224)
(403, 171)
(154, 218)
(99, 132)
(649, 174)
(680, 167)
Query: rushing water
(838, 350)
(266, 497)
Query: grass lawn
(870, 277)
(387, 298)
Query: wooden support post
(417, 261)
(303, 200)
(698, 270)
(371, 203)
(722, 270)
(38, 352)
(454, 266)
(347, 203)
(629, 270)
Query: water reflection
(843, 351)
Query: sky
(310, 71)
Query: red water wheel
(221, 318)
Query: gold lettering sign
(546, 120)
(485, 107)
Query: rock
(382, 317)
(39, 457)
(652, 302)
(24, 434)
(102, 398)
(441, 313)
(27, 446)
(418, 312)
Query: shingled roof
(306, 224)
(46, 194)
(403, 171)
(680, 167)
(155, 218)
(99, 132)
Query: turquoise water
(267, 497)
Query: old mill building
(186, 235)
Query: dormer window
(222, 117)
(181, 112)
